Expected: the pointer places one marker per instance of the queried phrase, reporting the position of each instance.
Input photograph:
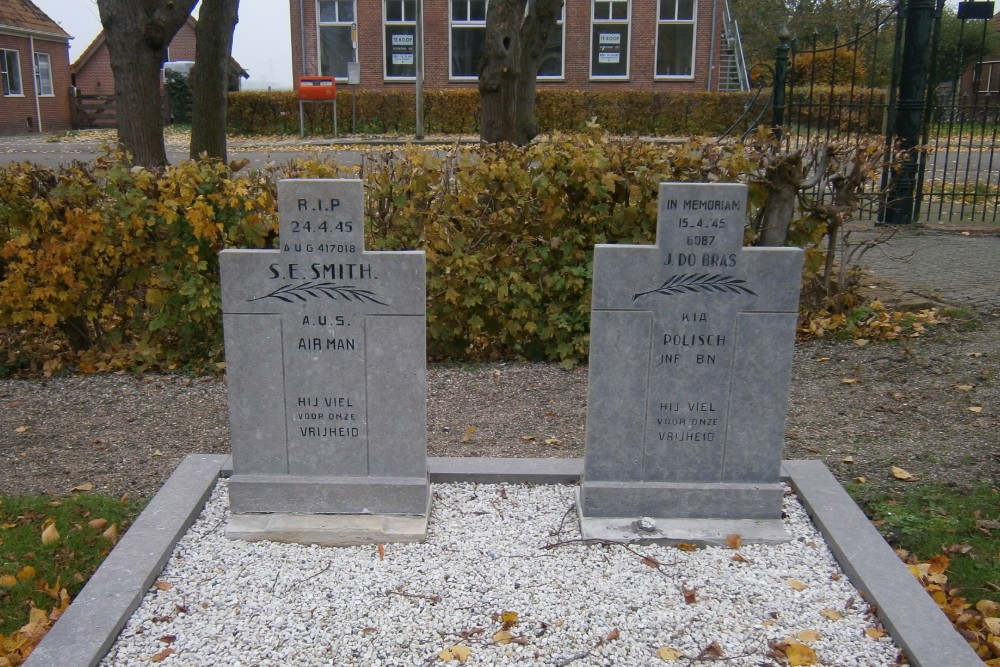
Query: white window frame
(561, 27)
(386, 47)
(693, 22)
(596, 22)
(5, 69)
(466, 24)
(43, 80)
(320, 24)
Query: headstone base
(671, 531)
(681, 500)
(328, 530)
(306, 495)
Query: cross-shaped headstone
(690, 362)
(325, 350)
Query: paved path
(952, 268)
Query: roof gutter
(24, 32)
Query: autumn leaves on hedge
(106, 267)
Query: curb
(83, 635)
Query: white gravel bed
(221, 602)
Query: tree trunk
(515, 43)
(210, 77)
(137, 35)
(783, 181)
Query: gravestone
(326, 365)
(691, 350)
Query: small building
(95, 82)
(34, 69)
(597, 44)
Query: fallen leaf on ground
(157, 453)
(965, 387)
(685, 546)
(899, 473)
(21, 429)
(8, 581)
(50, 535)
(800, 655)
(527, 438)
(469, 432)
(381, 551)
(797, 585)
(831, 614)
(860, 480)
(27, 573)
(808, 636)
(97, 524)
(86, 486)
(847, 459)
(861, 342)
(976, 409)
(822, 359)
(849, 381)
(502, 637)
(875, 633)
(669, 654)
(734, 541)
(508, 619)
(162, 655)
(553, 441)
(163, 585)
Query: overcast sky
(262, 43)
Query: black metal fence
(880, 84)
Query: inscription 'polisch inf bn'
(688, 337)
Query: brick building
(91, 73)
(34, 69)
(597, 44)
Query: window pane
(674, 49)
(459, 10)
(619, 10)
(345, 11)
(551, 64)
(327, 11)
(394, 10)
(399, 51)
(43, 74)
(466, 50)
(12, 73)
(685, 10)
(667, 8)
(602, 11)
(477, 10)
(410, 10)
(335, 50)
(609, 50)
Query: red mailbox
(317, 88)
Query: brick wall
(641, 52)
(19, 114)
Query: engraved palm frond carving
(315, 290)
(685, 283)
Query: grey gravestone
(326, 364)
(690, 363)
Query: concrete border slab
(88, 628)
(904, 607)
(91, 624)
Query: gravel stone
(493, 549)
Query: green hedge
(456, 111)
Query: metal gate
(884, 81)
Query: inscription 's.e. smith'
(317, 271)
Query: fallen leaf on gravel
(797, 585)
(21, 429)
(686, 546)
(553, 441)
(650, 562)
(974, 355)
(899, 473)
(861, 342)
(808, 636)
(527, 438)
(509, 619)
(875, 633)
(739, 558)
(734, 541)
(800, 655)
(50, 535)
(469, 432)
(381, 551)
(822, 359)
(86, 486)
(502, 637)
(849, 381)
(168, 639)
(668, 654)
(163, 585)
(976, 408)
(847, 459)
(157, 453)
(831, 614)
(964, 387)
(860, 480)
(162, 655)
(690, 594)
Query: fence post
(912, 97)
(780, 77)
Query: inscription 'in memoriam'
(315, 332)
(683, 336)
